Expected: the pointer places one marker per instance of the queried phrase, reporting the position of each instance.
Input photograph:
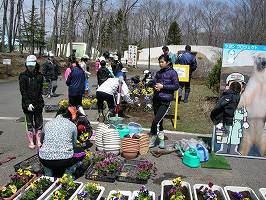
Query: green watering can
(190, 157)
(123, 130)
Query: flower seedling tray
(51, 108)
(72, 196)
(229, 189)
(136, 193)
(214, 188)
(130, 166)
(32, 163)
(91, 174)
(166, 183)
(128, 194)
(46, 193)
(100, 194)
(262, 193)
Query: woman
(165, 84)
(57, 151)
(76, 84)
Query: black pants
(75, 100)
(101, 97)
(34, 121)
(160, 110)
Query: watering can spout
(178, 148)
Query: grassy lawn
(194, 116)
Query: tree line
(113, 25)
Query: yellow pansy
(13, 188)
(27, 172)
(246, 199)
(3, 189)
(20, 172)
(177, 181)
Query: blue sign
(245, 47)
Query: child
(165, 84)
(103, 73)
(224, 112)
(31, 84)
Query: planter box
(263, 193)
(136, 193)
(23, 187)
(47, 192)
(240, 189)
(168, 182)
(73, 195)
(214, 187)
(126, 193)
(99, 196)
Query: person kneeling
(57, 151)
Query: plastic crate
(51, 108)
(32, 163)
(130, 165)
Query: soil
(246, 194)
(167, 188)
(200, 195)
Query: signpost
(132, 55)
(183, 76)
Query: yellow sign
(182, 71)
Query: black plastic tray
(132, 165)
(32, 163)
(51, 108)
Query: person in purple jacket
(165, 83)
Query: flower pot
(99, 196)
(143, 144)
(130, 155)
(262, 193)
(130, 145)
(72, 196)
(21, 189)
(111, 141)
(214, 188)
(126, 193)
(136, 193)
(166, 183)
(229, 189)
(101, 128)
(48, 191)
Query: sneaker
(161, 144)
(153, 139)
(161, 139)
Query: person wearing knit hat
(31, 85)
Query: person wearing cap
(31, 85)
(186, 58)
(51, 72)
(106, 92)
(172, 56)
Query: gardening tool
(202, 152)
(190, 157)
(118, 100)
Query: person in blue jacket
(172, 56)
(186, 58)
(165, 83)
(76, 84)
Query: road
(245, 172)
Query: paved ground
(245, 172)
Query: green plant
(145, 169)
(144, 194)
(213, 80)
(176, 191)
(117, 196)
(91, 191)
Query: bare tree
(4, 24)
(32, 26)
(56, 4)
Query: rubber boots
(39, 138)
(31, 144)
(161, 139)
(187, 91)
(153, 139)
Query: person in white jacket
(106, 92)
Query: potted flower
(240, 193)
(38, 189)
(145, 170)
(119, 195)
(176, 189)
(68, 189)
(91, 191)
(143, 194)
(108, 166)
(208, 192)
(18, 182)
(263, 193)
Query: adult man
(83, 65)
(186, 58)
(31, 84)
(51, 72)
(172, 56)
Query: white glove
(30, 108)
(246, 125)
(219, 126)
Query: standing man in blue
(186, 58)
(172, 56)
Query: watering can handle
(178, 147)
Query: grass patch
(216, 162)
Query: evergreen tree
(174, 34)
